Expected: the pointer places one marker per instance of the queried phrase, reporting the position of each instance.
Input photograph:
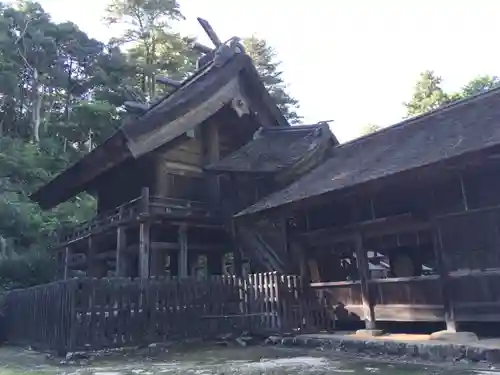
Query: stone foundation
(431, 350)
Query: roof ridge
(418, 118)
(292, 128)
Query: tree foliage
(370, 128)
(429, 95)
(264, 58)
(61, 94)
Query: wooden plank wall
(92, 314)
(399, 299)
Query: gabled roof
(275, 149)
(464, 126)
(199, 97)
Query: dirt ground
(214, 360)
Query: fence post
(71, 288)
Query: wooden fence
(92, 314)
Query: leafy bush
(22, 271)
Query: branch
(20, 39)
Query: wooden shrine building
(404, 224)
(399, 225)
(168, 181)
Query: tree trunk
(36, 106)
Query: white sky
(353, 61)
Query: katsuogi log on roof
(466, 126)
(277, 148)
(227, 78)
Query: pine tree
(264, 58)
(427, 94)
(155, 49)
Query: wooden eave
(202, 95)
(457, 131)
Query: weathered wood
(183, 267)
(144, 249)
(444, 280)
(364, 273)
(464, 193)
(144, 200)
(212, 155)
(91, 258)
(67, 254)
(377, 227)
(121, 245)
(95, 314)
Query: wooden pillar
(144, 249)
(144, 236)
(237, 253)
(145, 200)
(183, 252)
(444, 279)
(67, 255)
(121, 245)
(91, 266)
(291, 262)
(364, 274)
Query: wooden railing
(396, 299)
(135, 210)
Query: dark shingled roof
(193, 93)
(275, 149)
(465, 126)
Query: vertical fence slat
(82, 314)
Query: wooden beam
(183, 252)
(364, 274)
(144, 250)
(371, 228)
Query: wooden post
(121, 245)
(144, 249)
(183, 251)
(67, 255)
(364, 274)
(464, 193)
(292, 264)
(91, 266)
(145, 200)
(444, 279)
(237, 255)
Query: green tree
(155, 49)
(265, 60)
(427, 94)
(479, 84)
(370, 128)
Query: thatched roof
(275, 149)
(197, 98)
(465, 126)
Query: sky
(351, 61)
